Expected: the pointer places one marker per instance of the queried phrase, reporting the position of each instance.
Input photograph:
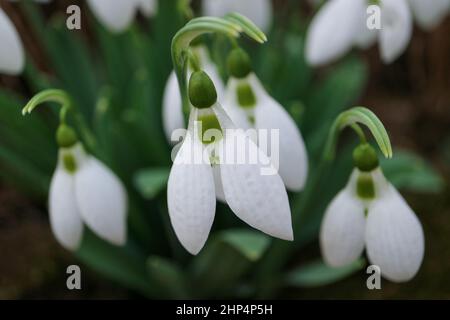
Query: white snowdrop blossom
(84, 190)
(264, 112)
(259, 11)
(117, 15)
(370, 213)
(341, 25)
(172, 112)
(259, 200)
(12, 55)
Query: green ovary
(210, 122)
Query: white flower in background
(342, 24)
(250, 106)
(172, 112)
(12, 56)
(259, 11)
(259, 200)
(117, 15)
(369, 212)
(83, 189)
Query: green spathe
(202, 92)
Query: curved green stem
(231, 26)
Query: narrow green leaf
(250, 244)
(318, 274)
(150, 182)
(168, 276)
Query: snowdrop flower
(172, 112)
(429, 13)
(342, 24)
(12, 56)
(84, 190)
(369, 212)
(259, 11)
(259, 200)
(250, 106)
(117, 15)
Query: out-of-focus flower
(369, 212)
(117, 15)
(250, 106)
(259, 11)
(259, 200)
(172, 112)
(12, 56)
(342, 24)
(83, 189)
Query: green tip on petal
(202, 92)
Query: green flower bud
(66, 137)
(239, 64)
(365, 158)
(202, 92)
(246, 96)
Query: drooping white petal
(65, 219)
(148, 7)
(289, 147)
(253, 189)
(259, 11)
(333, 30)
(365, 37)
(343, 228)
(172, 112)
(218, 184)
(12, 56)
(102, 201)
(116, 15)
(394, 237)
(396, 29)
(239, 116)
(429, 13)
(190, 192)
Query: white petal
(12, 57)
(65, 219)
(429, 13)
(256, 197)
(259, 11)
(238, 115)
(394, 237)
(116, 15)
(102, 201)
(220, 195)
(396, 29)
(172, 112)
(190, 193)
(148, 7)
(293, 159)
(343, 228)
(332, 31)
(365, 37)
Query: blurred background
(411, 97)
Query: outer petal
(190, 193)
(259, 200)
(394, 237)
(65, 219)
(172, 112)
(12, 57)
(333, 30)
(218, 184)
(396, 29)
(116, 15)
(429, 13)
(148, 7)
(102, 201)
(293, 159)
(259, 11)
(365, 37)
(343, 228)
